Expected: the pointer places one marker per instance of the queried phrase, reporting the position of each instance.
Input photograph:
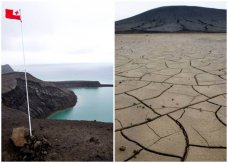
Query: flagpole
(26, 83)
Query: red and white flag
(13, 14)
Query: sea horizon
(102, 72)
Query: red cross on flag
(13, 14)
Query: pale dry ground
(170, 97)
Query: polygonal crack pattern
(170, 97)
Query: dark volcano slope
(6, 69)
(45, 97)
(175, 19)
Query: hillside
(175, 19)
(45, 97)
(6, 69)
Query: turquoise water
(93, 103)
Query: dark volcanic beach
(70, 140)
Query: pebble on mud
(122, 148)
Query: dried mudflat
(170, 97)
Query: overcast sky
(66, 31)
(71, 31)
(128, 8)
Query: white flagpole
(26, 84)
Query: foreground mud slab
(170, 97)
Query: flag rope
(26, 84)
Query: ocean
(93, 103)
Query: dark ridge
(6, 69)
(175, 19)
(73, 84)
(45, 97)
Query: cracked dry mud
(170, 97)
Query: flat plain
(170, 97)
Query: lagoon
(93, 103)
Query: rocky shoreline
(45, 97)
(73, 84)
(69, 140)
